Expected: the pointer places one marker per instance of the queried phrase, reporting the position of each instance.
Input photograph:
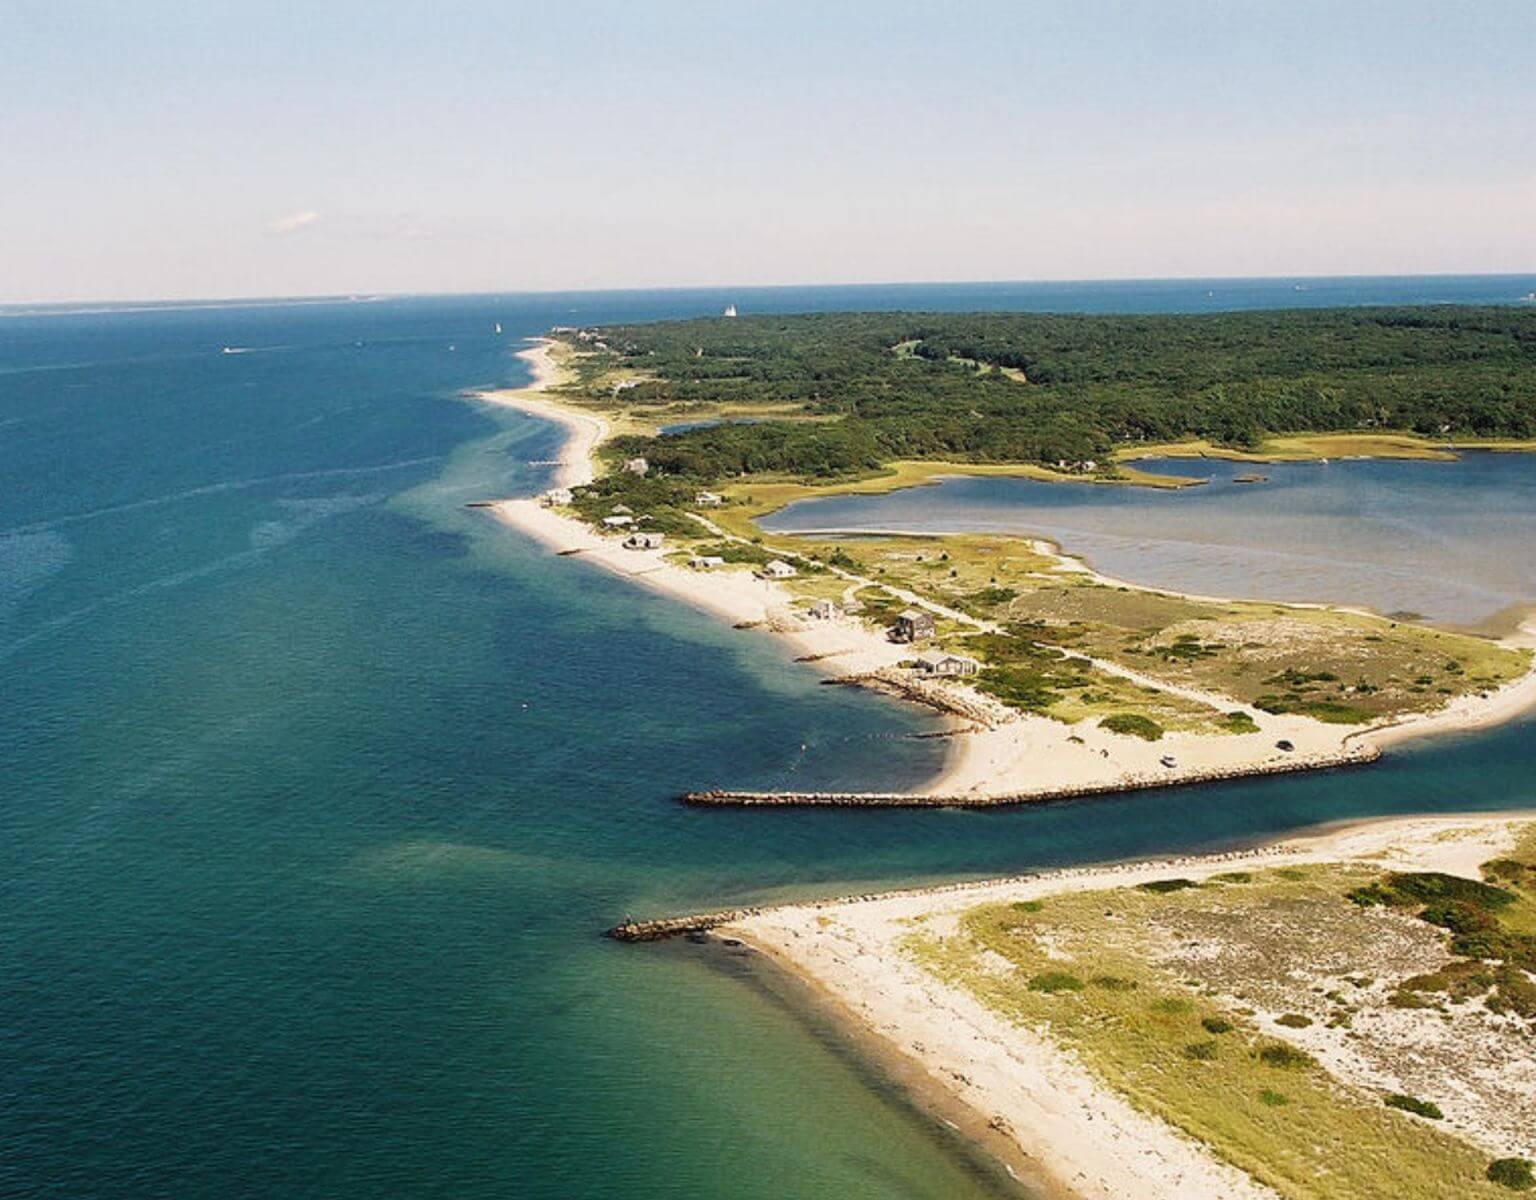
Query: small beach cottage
(643, 539)
(618, 522)
(824, 610)
(636, 466)
(913, 625)
(777, 569)
(706, 562)
(709, 500)
(556, 497)
(946, 666)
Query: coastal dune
(1046, 1105)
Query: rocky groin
(717, 798)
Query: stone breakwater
(1354, 756)
(667, 927)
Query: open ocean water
(319, 787)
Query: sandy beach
(995, 751)
(1058, 1116)
(586, 430)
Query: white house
(709, 500)
(643, 539)
(618, 522)
(777, 569)
(946, 665)
(823, 610)
(556, 498)
(706, 562)
(636, 466)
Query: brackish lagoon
(1451, 541)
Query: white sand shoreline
(1007, 753)
(1085, 1136)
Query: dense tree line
(927, 385)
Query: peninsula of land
(1057, 681)
(1342, 1017)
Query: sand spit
(1080, 1132)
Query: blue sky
(213, 149)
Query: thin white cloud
(291, 223)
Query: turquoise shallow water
(319, 788)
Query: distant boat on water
(730, 310)
(1529, 298)
(498, 328)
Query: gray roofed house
(913, 625)
(942, 663)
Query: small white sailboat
(498, 328)
(730, 310)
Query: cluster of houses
(945, 665)
(914, 625)
(563, 497)
(585, 336)
(829, 610)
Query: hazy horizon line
(91, 304)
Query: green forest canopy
(1025, 387)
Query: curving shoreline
(1009, 758)
(1048, 1107)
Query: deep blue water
(320, 786)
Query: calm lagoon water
(1453, 541)
(320, 786)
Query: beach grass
(1341, 666)
(1178, 1046)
